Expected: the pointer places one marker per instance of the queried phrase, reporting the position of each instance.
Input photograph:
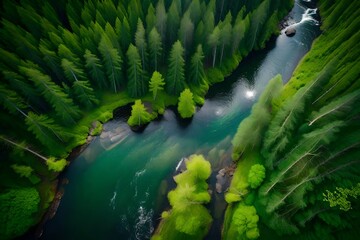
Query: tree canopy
(186, 106)
(139, 114)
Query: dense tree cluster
(60, 58)
(17, 208)
(59, 62)
(188, 218)
(308, 138)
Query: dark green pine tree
(225, 34)
(173, 22)
(137, 83)
(197, 73)
(45, 130)
(186, 31)
(112, 62)
(175, 78)
(62, 104)
(95, 69)
(150, 18)
(155, 46)
(140, 42)
(81, 89)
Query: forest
(304, 144)
(65, 66)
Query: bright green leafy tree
(256, 175)
(17, 207)
(340, 197)
(139, 114)
(186, 106)
(156, 84)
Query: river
(117, 186)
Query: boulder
(290, 31)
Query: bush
(256, 175)
(17, 207)
(56, 166)
(98, 129)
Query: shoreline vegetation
(66, 67)
(306, 137)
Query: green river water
(118, 185)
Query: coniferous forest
(65, 66)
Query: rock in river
(290, 31)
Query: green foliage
(197, 74)
(137, 84)
(340, 197)
(251, 129)
(62, 104)
(112, 62)
(156, 83)
(175, 78)
(155, 46)
(59, 63)
(186, 106)
(96, 72)
(232, 197)
(97, 129)
(245, 220)
(140, 42)
(26, 171)
(139, 114)
(22, 170)
(56, 165)
(17, 207)
(256, 175)
(188, 218)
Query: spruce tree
(175, 79)
(137, 84)
(197, 73)
(156, 84)
(112, 62)
(155, 46)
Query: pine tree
(161, 18)
(45, 130)
(95, 68)
(137, 85)
(225, 34)
(140, 42)
(82, 90)
(186, 31)
(175, 79)
(173, 22)
(139, 115)
(214, 42)
(186, 106)
(197, 73)
(150, 18)
(155, 46)
(112, 62)
(156, 84)
(62, 104)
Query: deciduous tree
(186, 106)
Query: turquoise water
(117, 186)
